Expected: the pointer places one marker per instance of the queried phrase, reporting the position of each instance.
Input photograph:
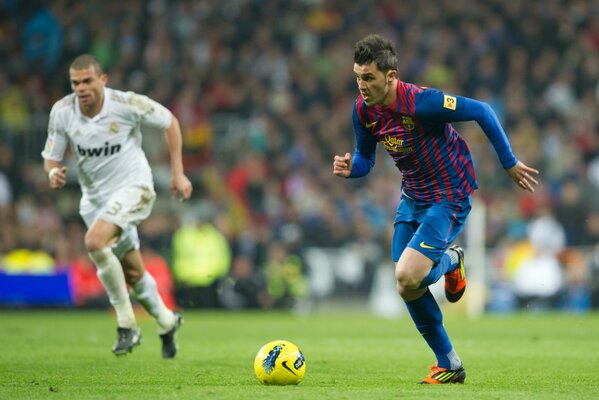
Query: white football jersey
(107, 147)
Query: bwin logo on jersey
(99, 151)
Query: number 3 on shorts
(114, 210)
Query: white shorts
(126, 208)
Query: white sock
(112, 277)
(146, 293)
(453, 256)
(454, 359)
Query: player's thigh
(405, 225)
(439, 228)
(411, 268)
(101, 234)
(128, 206)
(123, 210)
(402, 234)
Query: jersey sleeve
(151, 113)
(432, 103)
(57, 140)
(365, 152)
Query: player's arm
(483, 114)
(155, 115)
(180, 184)
(364, 156)
(436, 104)
(348, 166)
(56, 144)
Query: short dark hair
(85, 61)
(377, 49)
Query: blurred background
(264, 92)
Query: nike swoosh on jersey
(370, 125)
(426, 246)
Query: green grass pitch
(349, 355)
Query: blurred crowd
(264, 92)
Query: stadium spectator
(284, 275)
(103, 126)
(201, 258)
(244, 287)
(164, 48)
(43, 41)
(438, 180)
(6, 196)
(576, 295)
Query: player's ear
(391, 75)
(104, 78)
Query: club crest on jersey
(113, 129)
(408, 123)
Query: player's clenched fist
(57, 177)
(342, 165)
(181, 186)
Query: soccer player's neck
(93, 109)
(391, 96)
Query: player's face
(374, 85)
(88, 86)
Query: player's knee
(93, 242)
(406, 279)
(406, 293)
(132, 276)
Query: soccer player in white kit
(104, 128)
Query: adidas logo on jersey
(99, 151)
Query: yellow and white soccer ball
(280, 362)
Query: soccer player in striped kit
(414, 125)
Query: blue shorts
(428, 228)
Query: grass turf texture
(66, 355)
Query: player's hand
(181, 187)
(521, 175)
(342, 165)
(57, 177)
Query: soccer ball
(280, 363)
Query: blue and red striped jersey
(435, 161)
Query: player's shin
(146, 293)
(427, 317)
(112, 277)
